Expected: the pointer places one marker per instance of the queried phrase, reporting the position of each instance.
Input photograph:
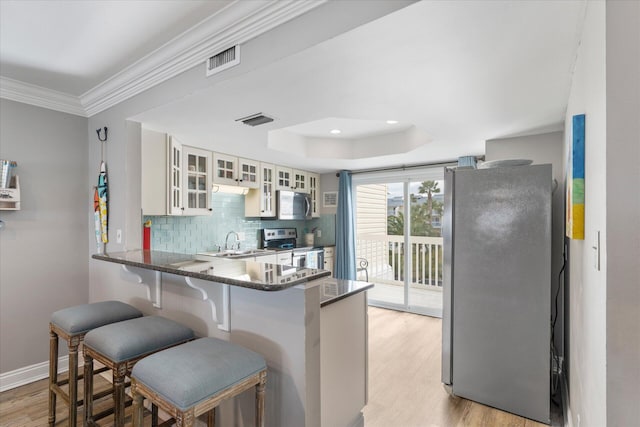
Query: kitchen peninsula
(311, 329)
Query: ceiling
(72, 46)
(453, 74)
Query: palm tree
(429, 188)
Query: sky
(396, 188)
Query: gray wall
(543, 148)
(43, 257)
(623, 213)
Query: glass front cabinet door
(197, 173)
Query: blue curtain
(345, 230)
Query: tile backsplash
(191, 234)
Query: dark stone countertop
(237, 272)
(333, 290)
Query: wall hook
(99, 131)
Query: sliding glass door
(398, 237)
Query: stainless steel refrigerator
(497, 285)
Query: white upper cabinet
(300, 181)
(231, 170)
(248, 173)
(314, 192)
(175, 178)
(224, 169)
(262, 202)
(292, 180)
(197, 181)
(284, 178)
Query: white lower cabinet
(329, 259)
(269, 258)
(284, 257)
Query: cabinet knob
(210, 209)
(182, 208)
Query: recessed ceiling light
(335, 131)
(392, 122)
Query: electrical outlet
(118, 236)
(241, 236)
(319, 233)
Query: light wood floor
(404, 378)
(404, 384)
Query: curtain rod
(405, 167)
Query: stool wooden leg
(53, 375)
(186, 418)
(119, 373)
(138, 408)
(88, 391)
(260, 400)
(73, 380)
(211, 418)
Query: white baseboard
(29, 374)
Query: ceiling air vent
(223, 60)
(255, 119)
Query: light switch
(596, 250)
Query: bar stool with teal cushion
(72, 324)
(193, 378)
(118, 347)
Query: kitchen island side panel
(284, 327)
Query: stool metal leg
(88, 390)
(154, 415)
(53, 375)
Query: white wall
(623, 213)
(588, 287)
(43, 257)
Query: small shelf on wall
(10, 197)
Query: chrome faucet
(226, 240)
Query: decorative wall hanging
(575, 177)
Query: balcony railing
(386, 257)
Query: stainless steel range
(286, 239)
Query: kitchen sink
(196, 265)
(237, 253)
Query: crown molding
(39, 96)
(235, 24)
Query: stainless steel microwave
(292, 205)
